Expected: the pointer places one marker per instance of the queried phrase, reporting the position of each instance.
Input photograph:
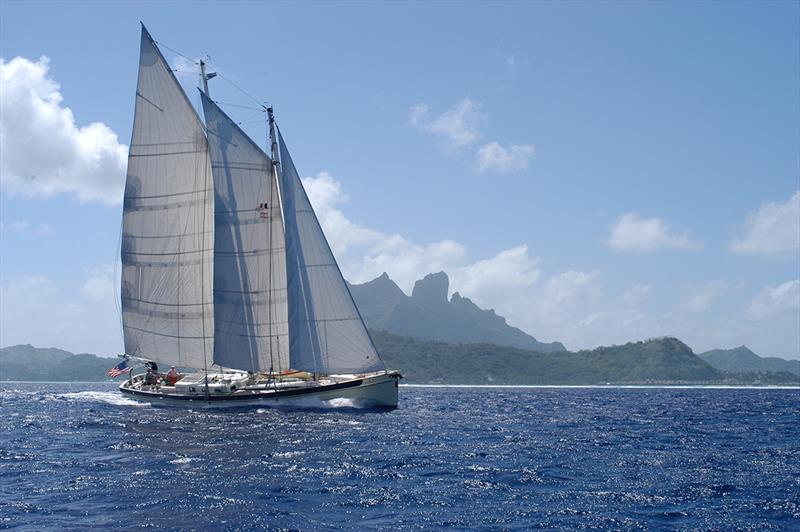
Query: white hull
(374, 390)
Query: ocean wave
(110, 398)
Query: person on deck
(172, 376)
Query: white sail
(326, 330)
(250, 313)
(168, 238)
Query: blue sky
(597, 172)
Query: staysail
(168, 238)
(326, 330)
(250, 309)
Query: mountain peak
(743, 358)
(431, 290)
(428, 314)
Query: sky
(597, 172)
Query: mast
(272, 139)
(205, 77)
(204, 80)
(274, 182)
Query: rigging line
(241, 89)
(259, 109)
(250, 121)
(173, 50)
(253, 117)
(195, 62)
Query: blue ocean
(75, 456)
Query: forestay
(326, 330)
(250, 313)
(167, 239)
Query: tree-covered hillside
(663, 360)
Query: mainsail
(250, 310)
(326, 330)
(167, 239)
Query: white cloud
(700, 301)
(326, 195)
(44, 151)
(186, 69)
(103, 283)
(635, 295)
(38, 285)
(493, 157)
(773, 230)
(460, 125)
(511, 63)
(500, 277)
(82, 318)
(365, 253)
(774, 302)
(572, 306)
(24, 227)
(631, 232)
(568, 292)
(20, 227)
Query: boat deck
(378, 388)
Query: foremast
(273, 181)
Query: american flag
(120, 369)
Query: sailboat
(225, 267)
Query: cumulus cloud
(635, 295)
(493, 157)
(365, 253)
(773, 230)
(699, 301)
(572, 306)
(631, 232)
(103, 283)
(44, 152)
(568, 291)
(777, 301)
(500, 277)
(460, 125)
(326, 195)
(80, 318)
(568, 306)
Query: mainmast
(272, 139)
(205, 77)
(274, 183)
